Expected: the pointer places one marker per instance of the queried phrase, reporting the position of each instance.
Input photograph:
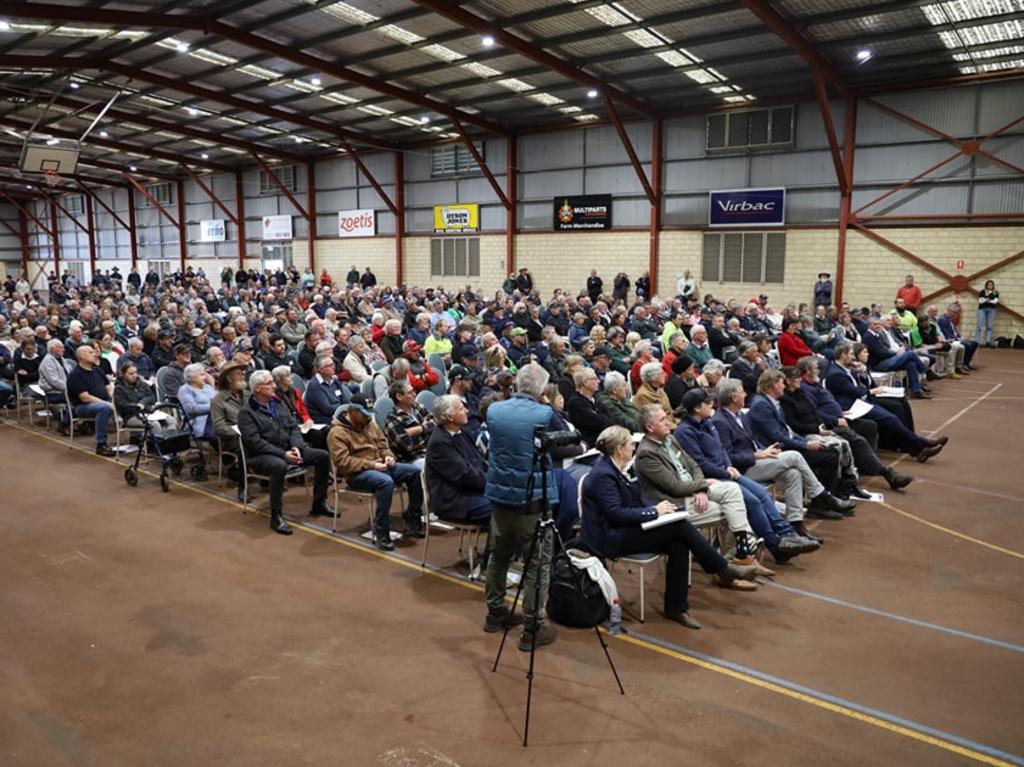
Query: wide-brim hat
(226, 371)
(826, 275)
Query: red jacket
(423, 380)
(911, 296)
(792, 348)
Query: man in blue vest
(514, 486)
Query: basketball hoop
(51, 178)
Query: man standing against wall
(910, 293)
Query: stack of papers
(892, 391)
(665, 519)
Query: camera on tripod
(546, 440)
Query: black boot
(278, 525)
(896, 481)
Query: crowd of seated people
(727, 399)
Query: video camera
(546, 440)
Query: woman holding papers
(615, 515)
(285, 392)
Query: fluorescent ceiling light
(315, 81)
(4, 26)
(592, 93)
(74, 86)
(205, 156)
(487, 41)
(181, 47)
(52, 141)
(132, 168)
(863, 55)
(104, 134)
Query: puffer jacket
(128, 397)
(266, 435)
(510, 454)
(701, 442)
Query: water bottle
(615, 618)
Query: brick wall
(338, 256)
(564, 260)
(492, 265)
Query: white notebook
(665, 519)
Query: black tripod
(541, 461)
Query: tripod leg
(519, 591)
(604, 646)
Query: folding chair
(293, 471)
(382, 408)
(472, 528)
(426, 399)
(436, 361)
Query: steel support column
(284, 190)
(846, 202)
(511, 212)
(483, 165)
(182, 228)
(821, 93)
(23, 236)
(399, 218)
(240, 217)
(657, 132)
(90, 233)
(628, 146)
(311, 208)
(209, 193)
(55, 238)
(152, 200)
(133, 240)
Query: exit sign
(960, 264)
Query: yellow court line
(950, 531)
(825, 705)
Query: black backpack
(1018, 341)
(574, 599)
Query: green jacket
(622, 359)
(622, 411)
(659, 480)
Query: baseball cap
(469, 351)
(196, 332)
(460, 372)
(359, 402)
(165, 334)
(410, 346)
(602, 351)
(519, 331)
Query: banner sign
(589, 211)
(212, 230)
(277, 227)
(457, 218)
(357, 223)
(747, 207)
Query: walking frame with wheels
(541, 462)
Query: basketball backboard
(39, 158)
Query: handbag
(574, 598)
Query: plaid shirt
(408, 447)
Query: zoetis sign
(357, 223)
(747, 207)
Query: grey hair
(401, 366)
(746, 346)
(398, 388)
(321, 361)
(52, 344)
(531, 379)
(191, 371)
(211, 351)
(647, 413)
(842, 348)
(613, 381)
(714, 366)
(675, 337)
(280, 373)
(649, 371)
(615, 332)
(258, 377)
(807, 364)
(135, 342)
(393, 323)
(612, 438)
(355, 342)
(698, 329)
(727, 389)
(642, 347)
(582, 375)
(445, 406)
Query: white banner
(357, 223)
(277, 227)
(212, 230)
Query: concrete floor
(166, 629)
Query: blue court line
(901, 618)
(833, 699)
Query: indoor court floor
(143, 628)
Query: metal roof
(295, 80)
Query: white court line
(967, 409)
(921, 481)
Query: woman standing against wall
(988, 299)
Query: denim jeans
(763, 514)
(382, 484)
(6, 393)
(986, 318)
(904, 361)
(100, 412)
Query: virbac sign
(747, 207)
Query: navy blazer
(768, 426)
(323, 399)
(825, 405)
(610, 503)
(878, 349)
(736, 441)
(700, 441)
(841, 385)
(948, 329)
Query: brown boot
(759, 569)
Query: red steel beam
(211, 26)
(628, 146)
(511, 212)
(996, 266)
(91, 233)
(55, 238)
(9, 228)
(908, 182)
(28, 213)
(1000, 161)
(277, 182)
(783, 29)
(944, 217)
(657, 133)
(79, 64)
(64, 210)
(311, 207)
(506, 39)
(890, 245)
(483, 165)
(240, 217)
(92, 195)
(399, 218)
(209, 193)
(821, 93)
(370, 177)
(133, 240)
(944, 82)
(182, 225)
(846, 202)
(26, 254)
(152, 199)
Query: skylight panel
(644, 38)
(339, 98)
(674, 58)
(441, 52)
(347, 12)
(399, 34)
(991, 53)
(212, 57)
(373, 109)
(994, 66)
(514, 84)
(702, 76)
(481, 70)
(545, 98)
(260, 72)
(967, 10)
